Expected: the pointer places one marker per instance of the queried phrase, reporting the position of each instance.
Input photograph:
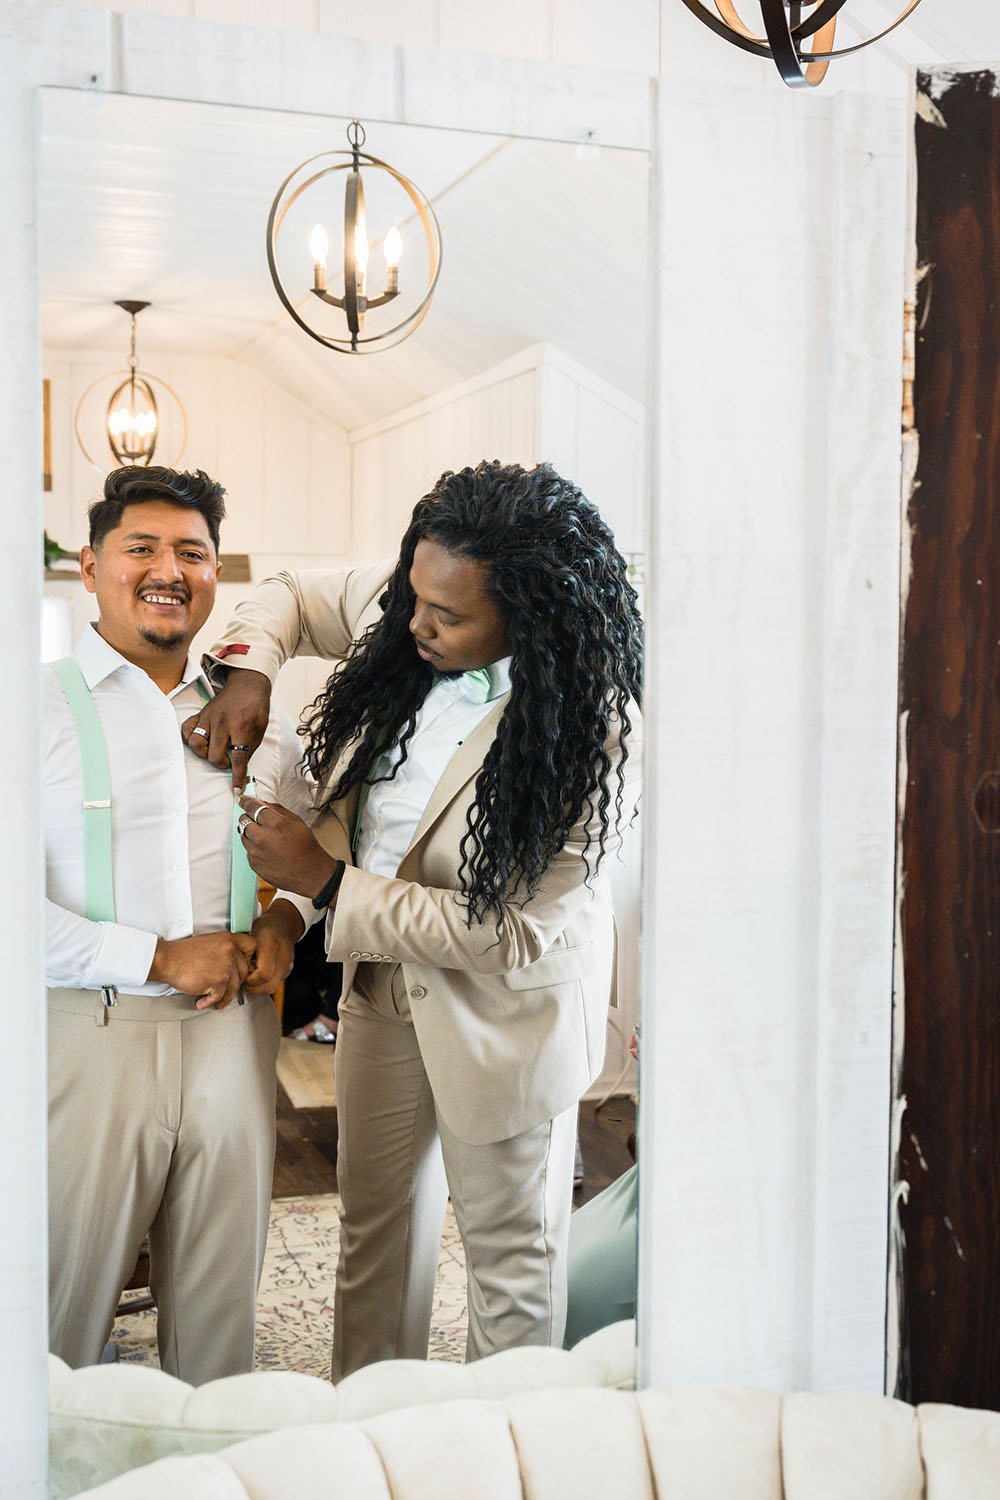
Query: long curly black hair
(552, 568)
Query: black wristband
(326, 895)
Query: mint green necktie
(478, 683)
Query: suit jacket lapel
(463, 767)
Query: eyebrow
(444, 608)
(151, 536)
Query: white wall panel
(519, 28)
(240, 462)
(397, 461)
(595, 435)
(589, 32)
(299, 15)
(405, 23)
(754, 1042)
(286, 475)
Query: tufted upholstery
(601, 1444)
(107, 1419)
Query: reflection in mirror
(533, 350)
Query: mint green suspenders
(97, 846)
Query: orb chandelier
(131, 425)
(356, 300)
(798, 34)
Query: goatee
(163, 642)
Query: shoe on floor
(314, 1031)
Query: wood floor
(306, 1158)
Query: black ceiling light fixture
(798, 34)
(125, 427)
(354, 298)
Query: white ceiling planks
(168, 202)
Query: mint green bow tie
(478, 685)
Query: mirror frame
(69, 46)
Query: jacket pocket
(556, 967)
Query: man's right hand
(236, 716)
(212, 966)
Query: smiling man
(478, 753)
(161, 1092)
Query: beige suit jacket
(511, 1025)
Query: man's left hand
(281, 849)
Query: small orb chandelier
(131, 427)
(356, 300)
(788, 26)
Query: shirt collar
(98, 659)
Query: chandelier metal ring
(146, 379)
(785, 32)
(354, 197)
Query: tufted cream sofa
(107, 1419)
(600, 1444)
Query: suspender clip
(109, 996)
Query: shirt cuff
(304, 907)
(124, 956)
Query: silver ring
(243, 824)
(198, 730)
(264, 807)
(239, 747)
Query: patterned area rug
(295, 1304)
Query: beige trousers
(397, 1161)
(161, 1122)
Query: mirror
(533, 349)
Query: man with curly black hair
(478, 757)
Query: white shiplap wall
(538, 405)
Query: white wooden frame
(73, 47)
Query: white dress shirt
(172, 821)
(447, 716)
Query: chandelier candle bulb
(361, 256)
(319, 246)
(392, 250)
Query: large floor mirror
(520, 358)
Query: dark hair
(135, 485)
(576, 637)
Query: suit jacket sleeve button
(418, 992)
(355, 955)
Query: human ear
(88, 568)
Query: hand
(212, 966)
(282, 850)
(275, 933)
(237, 715)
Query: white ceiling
(168, 202)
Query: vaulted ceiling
(168, 202)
